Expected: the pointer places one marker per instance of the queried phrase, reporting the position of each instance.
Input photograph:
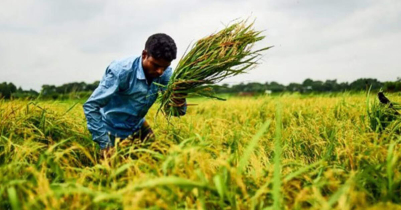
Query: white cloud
(56, 42)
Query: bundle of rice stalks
(210, 60)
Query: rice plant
(297, 153)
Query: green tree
(365, 83)
(7, 89)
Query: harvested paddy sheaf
(224, 54)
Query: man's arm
(179, 99)
(100, 98)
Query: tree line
(82, 90)
(315, 86)
(65, 91)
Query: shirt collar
(140, 74)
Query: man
(126, 92)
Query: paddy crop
(283, 152)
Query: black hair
(161, 46)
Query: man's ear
(144, 54)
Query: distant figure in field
(126, 92)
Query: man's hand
(178, 99)
(176, 107)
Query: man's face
(152, 67)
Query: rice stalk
(212, 59)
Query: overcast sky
(59, 41)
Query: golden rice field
(281, 152)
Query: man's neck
(149, 81)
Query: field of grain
(283, 152)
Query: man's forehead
(160, 61)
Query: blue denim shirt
(122, 99)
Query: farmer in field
(126, 92)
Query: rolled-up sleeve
(100, 97)
(165, 78)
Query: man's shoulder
(167, 73)
(124, 64)
(165, 77)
